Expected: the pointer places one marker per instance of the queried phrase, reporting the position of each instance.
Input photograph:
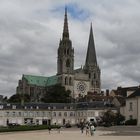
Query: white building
(132, 108)
(59, 113)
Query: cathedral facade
(78, 81)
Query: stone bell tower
(65, 60)
(91, 66)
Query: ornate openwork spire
(65, 28)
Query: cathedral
(78, 81)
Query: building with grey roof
(51, 113)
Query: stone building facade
(78, 81)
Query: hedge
(26, 128)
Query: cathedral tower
(91, 67)
(65, 60)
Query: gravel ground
(102, 133)
(122, 130)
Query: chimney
(107, 92)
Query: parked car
(13, 124)
(78, 125)
(67, 125)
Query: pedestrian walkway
(67, 134)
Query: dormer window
(1, 106)
(8, 104)
(71, 107)
(65, 107)
(14, 107)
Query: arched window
(54, 114)
(71, 113)
(89, 75)
(66, 81)
(92, 82)
(64, 121)
(70, 82)
(67, 51)
(59, 114)
(68, 63)
(64, 51)
(94, 75)
(96, 83)
(61, 65)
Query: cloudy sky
(30, 31)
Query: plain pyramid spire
(91, 53)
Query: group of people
(89, 127)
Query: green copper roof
(41, 80)
(53, 80)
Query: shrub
(131, 122)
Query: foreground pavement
(72, 134)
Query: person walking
(87, 129)
(92, 129)
(58, 129)
(49, 128)
(82, 128)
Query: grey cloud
(30, 33)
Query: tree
(5, 99)
(119, 118)
(57, 94)
(16, 98)
(109, 118)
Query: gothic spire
(65, 28)
(91, 53)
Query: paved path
(67, 134)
